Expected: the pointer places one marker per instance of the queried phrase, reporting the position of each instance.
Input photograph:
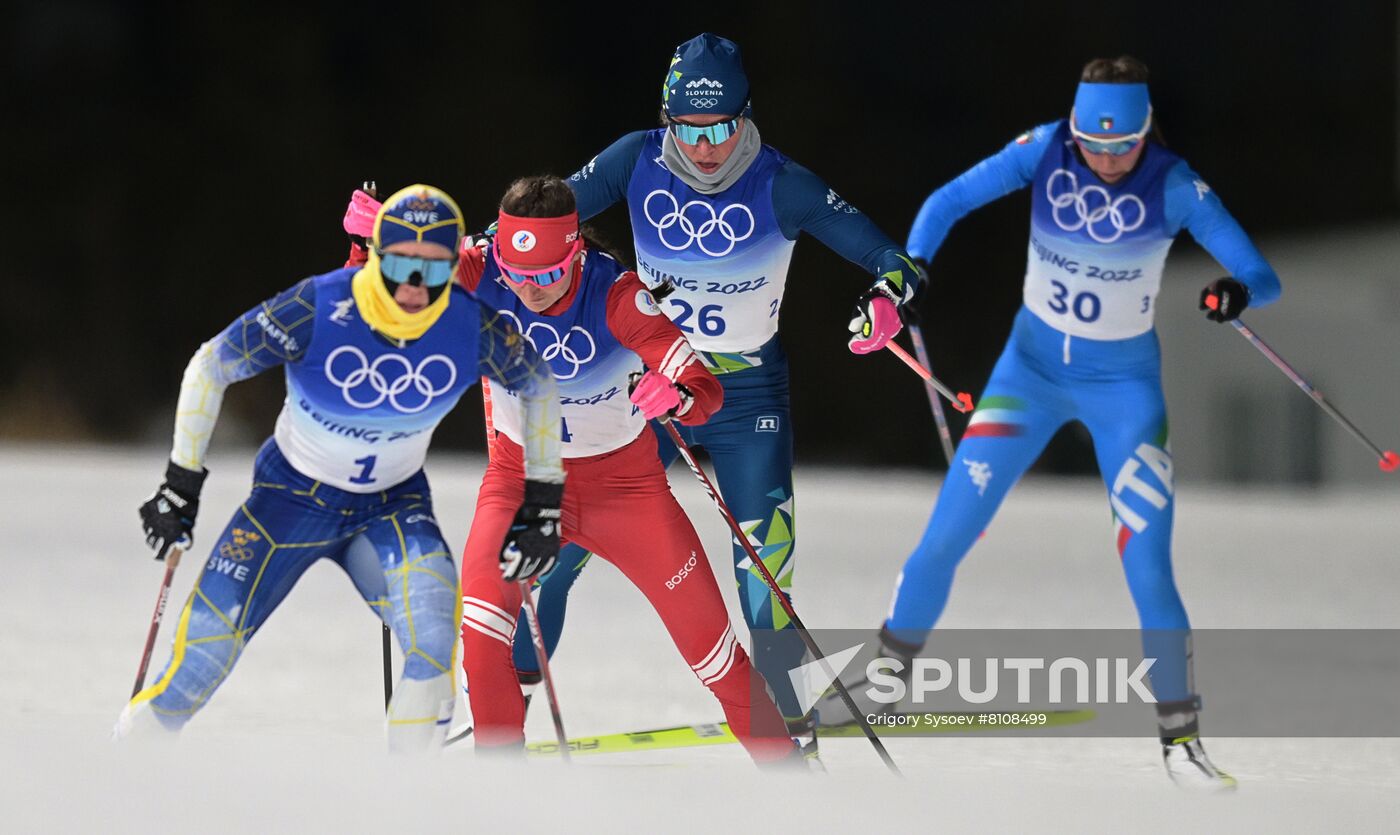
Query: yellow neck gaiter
(382, 313)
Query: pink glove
(875, 323)
(359, 214)
(656, 395)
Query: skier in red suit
(597, 325)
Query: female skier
(1107, 200)
(595, 324)
(715, 215)
(375, 357)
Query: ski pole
(542, 658)
(531, 614)
(797, 624)
(372, 189)
(940, 420)
(962, 401)
(1387, 460)
(464, 730)
(172, 561)
(388, 666)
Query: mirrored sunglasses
(717, 133)
(1116, 146)
(538, 276)
(433, 272)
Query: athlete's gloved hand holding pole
(1230, 299)
(878, 314)
(532, 542)
(168, 516)
(877, 322)
(168, 520)
(657, 396)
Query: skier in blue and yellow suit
(375, 358)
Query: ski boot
(1190, 768)
(528, 682)
(803, 731)
(1182, 752)
(834, 711)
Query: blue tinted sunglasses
(433, 272)
(717, 133)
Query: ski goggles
(1116, 146)
(716, 133)
(433, 272)
(538, 276)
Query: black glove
(532, 543)
(168, 516)
(1231, 298)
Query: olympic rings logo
(704, 104)
(697, 233)
(1092, 219)
(235, 552)
(374, 375)
(569, 348)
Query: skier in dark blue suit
(715, 216)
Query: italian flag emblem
(1106, 122)
(996, 417)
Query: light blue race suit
(1082, 348)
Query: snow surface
(293, 741)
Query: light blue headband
(1110, 108)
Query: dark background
(168, 165)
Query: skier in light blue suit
(1107, 202)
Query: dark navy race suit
(724, 260)
(1082, 348)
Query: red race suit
(617, 500)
